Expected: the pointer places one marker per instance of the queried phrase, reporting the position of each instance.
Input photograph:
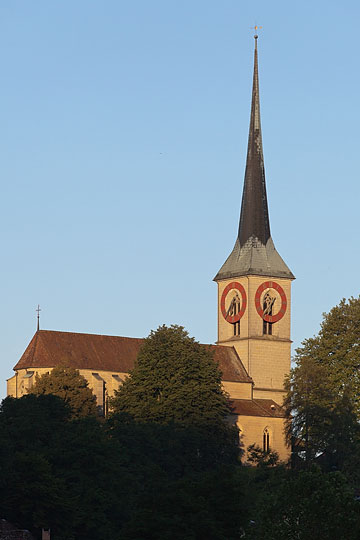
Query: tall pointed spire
(254, 217)
(254, 251)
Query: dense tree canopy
(175, 379)
(172, 472)
(305, 505)
(323, 407)
(164, 466)
(261, 458)
(67, 383)
(92, 480)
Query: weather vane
(256, 28)
(38, 317)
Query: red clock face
(266, 306)
(233, 310)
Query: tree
(175, 380)
(307, 504)
(262, 458)
(31, 492)
(323, 390)
(67, 383)
(63, 473)
(207, 506)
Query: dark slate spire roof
(254, 217)
(254, 251)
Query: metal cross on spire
(38, 317)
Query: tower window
(268, 304)
(234, 309)
(267, 328)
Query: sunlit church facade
(253, 345)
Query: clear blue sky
(123, 133)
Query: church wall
(99, 382)
(108, 381)
(277, 396)
(238, 390)
(269, 363)
(265, 357)
(251, 322)
(23, 381)
(281, 329)
(226, 330)
(11, 386)
(111, 380)
(252, 427)
(252, 430)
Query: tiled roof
(257, 407)
(108, 353)
(84, 351)
(230, 364)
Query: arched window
(266, 440)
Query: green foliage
(175, 379)
(308, 504)
(99, 489)
(67, 383)
(127, 480)
(63, 473)
(174, 448)
(209, 506)
(30, 491)
(94, 481)
(262, 458)
(323, 390)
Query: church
(253, 344)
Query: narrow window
(233, 310)
(106, 403)
(268, 303)
(266, 440)
(267, 328)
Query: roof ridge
(87, 334)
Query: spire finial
(38, 317)
(256, 28)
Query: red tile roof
(257, 407)
(108, 353)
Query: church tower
(254, 283)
